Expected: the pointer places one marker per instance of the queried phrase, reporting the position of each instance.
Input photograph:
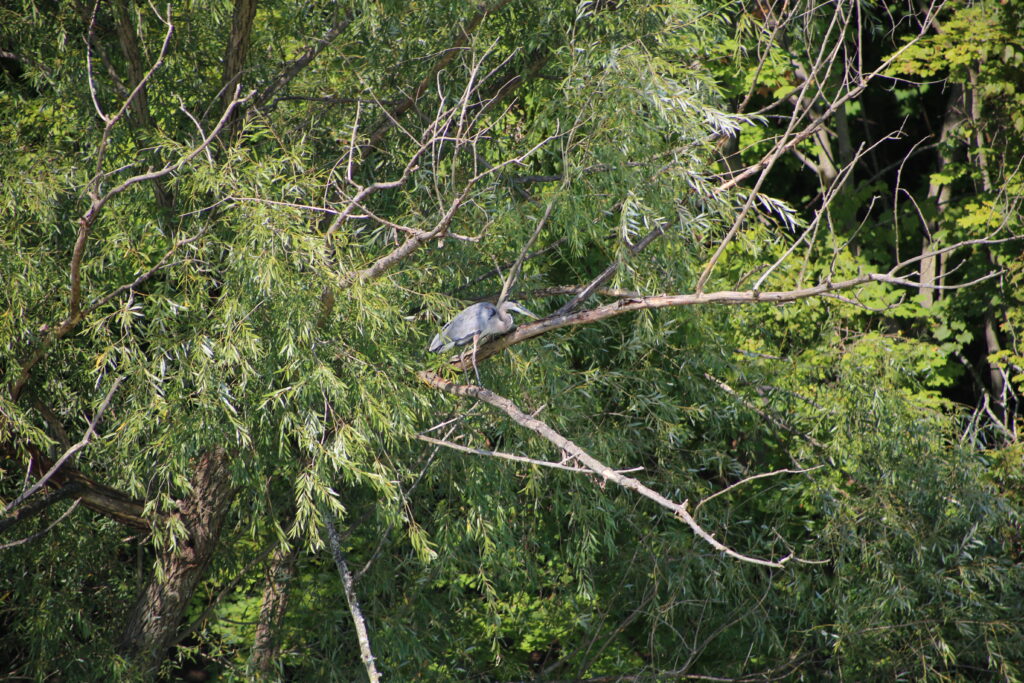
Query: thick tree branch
(39, 534)
(631, 305)
(98, 497)
(32, 509)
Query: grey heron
(475, 323)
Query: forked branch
(595, 466)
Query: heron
(475, 323)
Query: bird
(475, 323)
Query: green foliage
(253, 334)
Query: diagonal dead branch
(289, 72)
(334, 539)
(595, 285)
(82, 443)
(586, 460)
(498, 270)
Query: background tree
(766, 426)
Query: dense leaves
(244, 222)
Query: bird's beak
(522, 310)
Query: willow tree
(231, 232)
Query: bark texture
(266, 649)
(152, 625)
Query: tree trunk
(152, 625)
(234, 58)
(141, 118)
(266, 648)
(930, 266)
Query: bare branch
(590, 463)
(411, 244)
(608, 273)
(630, 305)
(32, 509)
(754, 477)
(514, 272)
(497, 271)
(508, 456)
(43, 532)
(103, 300)
(88, 62)
(350, 596)
(82, 443)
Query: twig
(751, 478)
(508, 456)
(497, 271)
(32, 537)
(514, 272)
(293, 68)
(607, 274)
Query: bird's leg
(476, 339)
